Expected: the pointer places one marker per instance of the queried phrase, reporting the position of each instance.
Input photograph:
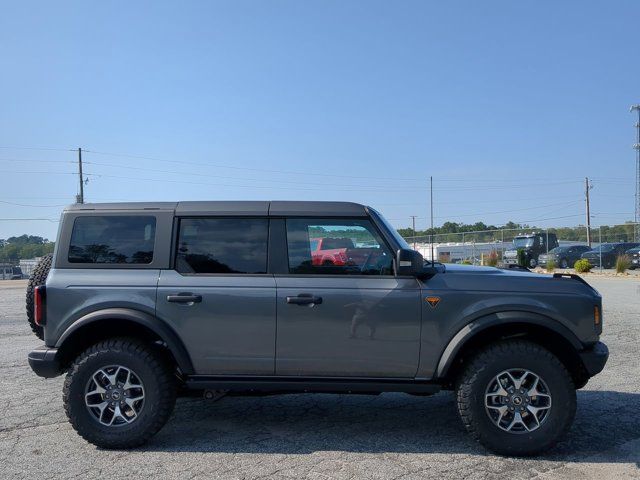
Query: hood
(457, 268)
(491, 279)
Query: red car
(330, 251)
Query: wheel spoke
(517, 420)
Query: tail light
(38, 305)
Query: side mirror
(409, 263)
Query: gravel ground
(390, 436)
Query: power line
(38, 148)
(29, 220)
(29, 205)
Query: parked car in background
(533, 244)
(330, 251)
(634, 255)
(563, 257)
(340, 252)
(608, 252)
(10, 272)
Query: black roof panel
(245, 208)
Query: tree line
(13, 249)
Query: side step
(308, 384)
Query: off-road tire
(38, 277)
(489, 362)
(160, 386)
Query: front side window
(346, 247)
(113, 239)
(222, 245)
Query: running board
(308, 384)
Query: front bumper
(44, 362)
(595, 358)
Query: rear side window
(113, 239)
(222, 245)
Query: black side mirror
(409, 263)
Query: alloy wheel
(518, 401)
(114, 396)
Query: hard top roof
(245, 208)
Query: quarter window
(222, 245)
(113, 239)
(336, 247)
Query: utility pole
(413, 228)
(636, 147)
(586, 192)
(431, 193)
(80, 196)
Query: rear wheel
(119, 393)
(38, 277)
(516, 398)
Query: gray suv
(147, 301)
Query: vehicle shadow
(395, 423)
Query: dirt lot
(390, 436)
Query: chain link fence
(500, 246)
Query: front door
(219, 298)
(341, 310)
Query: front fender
(160, 328)
(499, 318)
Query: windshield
(558, 249)
(398, 238)
(523, 242)
(605, 247)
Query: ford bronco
(146, 301)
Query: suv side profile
(144, 301)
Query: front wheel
(564, 263)
(119, 393)
(516, 398)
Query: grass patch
(623, 262)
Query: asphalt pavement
(390, 436)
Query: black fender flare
(160, 328)
(480, 324)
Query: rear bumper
(595, 358)
(44, 362)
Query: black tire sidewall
(560, 416)
(84, 421)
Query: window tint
(347, 247)
(112, 239)
(225, 245)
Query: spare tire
(38, 277)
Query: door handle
(184, 298)
(304, 299)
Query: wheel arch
(119, 322)
(543, 330)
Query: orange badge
(433, 301)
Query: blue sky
(509, 105)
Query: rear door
(219, 297)
(351, 318)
